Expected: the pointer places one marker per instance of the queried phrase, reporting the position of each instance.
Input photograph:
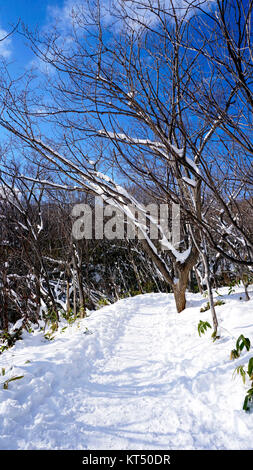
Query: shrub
(134, 292)
(202, 327)
(241, 343)
(103, 302)
(248, 400)
(232, 285)
(10, 338)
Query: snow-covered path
(142, 380)
(130, 388)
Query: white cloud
(67, 14)
(5, 44)
(41, 66)
(134, 12)
(146, 12)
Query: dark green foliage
(233, 283)
(71, 317)
(250, 368)
(215, 336)
(202, 327)
(3, 348)
(241, 343)
(49, 336)
(133, 292)
(248, 399)
(240, 371)
(9, 339)
(205, 308)
(234, 354)
(149, 286)
(51, 316)
(195, 288)
(103, 302)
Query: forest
(131, 112)
(146, 103)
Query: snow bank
(139, 378)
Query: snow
(9, 193)
(193, 165)
(140, 377)
(154, 145)
(181, 257)
(211, 130)
(190, 181)
(180, 152)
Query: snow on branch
(154, 145)
(189, 181)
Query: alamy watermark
(112, 221)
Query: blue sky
(33, 13)
(36, 13)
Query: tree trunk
(210, 293)
(245, 282)
(74, 295)
(38, 299)
(5, 301)
(198, 280)
(182, 270)
(67, 297)
(179, 289)
(136, 273)
(77, 265)
(180, 299)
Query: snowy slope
(140, 378)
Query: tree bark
(198, 281)
(245, 282)
(179, 294)
(210, 293)
(182, 269)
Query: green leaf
(242, 342)
(248, 400)
(234, 354)
(250, 367)
(239, 343)
(240, 371)
(246, 343)
(245, 404)
(202, 327)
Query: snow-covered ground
(139, 378)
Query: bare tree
(134, 94)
